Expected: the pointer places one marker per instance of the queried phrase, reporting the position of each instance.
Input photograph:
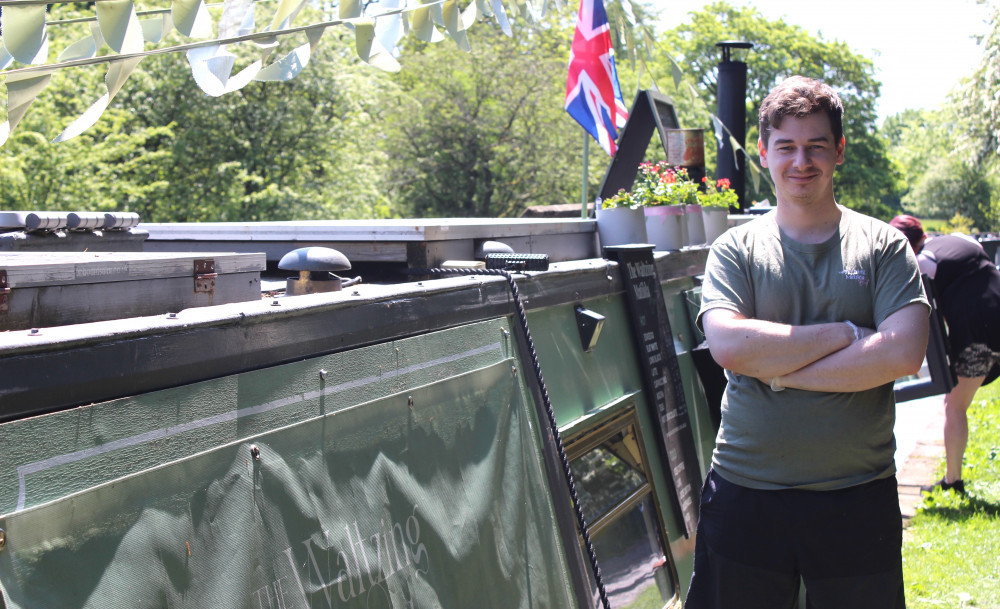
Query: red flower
(723, 183)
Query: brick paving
(920, 448)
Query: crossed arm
(820, 357)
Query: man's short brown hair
(800, 97)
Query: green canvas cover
(434, 497)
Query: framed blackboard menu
(661, 376)
(650, 112)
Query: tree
(977, 103)
(940, 184)
(977, 110)
(484, 134)
(949, 155)
(472, 134)
(302, 149)
(113, 164)
(952, 187)
(868, 181)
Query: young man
(813, 310)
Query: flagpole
(593, 97)
(586, 164)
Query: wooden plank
(331, 231)
(59, 305)
(356, 251)
(38, 269)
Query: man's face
(801, 156)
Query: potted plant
(665, 193)
(620, 220)
(716, 201)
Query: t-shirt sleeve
(897, 281)
(727, 281)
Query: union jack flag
(593, 97)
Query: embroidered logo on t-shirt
(858, 275)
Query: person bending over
(967, 284)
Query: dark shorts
(754, 546)
(976, 360)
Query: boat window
(617, 499)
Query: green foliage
(941, 184)
(951, 545)
(110, 167)
(935, 225)
(463, 134)
(978, 104)
(993, 213)
(484, 134)
(868, 180)
(622, 198)
(304, 149)
(717, 193)
(950, 155)
(458, 134)
(657, 184)
(959, 224)
(301, 150)
(649, 598)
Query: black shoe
(957, 486)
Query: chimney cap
(728, 45)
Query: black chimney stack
(732, 111)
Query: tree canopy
(868, 180)
(977, 102)
(470, 126)
(303, 149)
(484, 133)
(950, 156)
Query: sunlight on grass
(951, 550)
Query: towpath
(919, 448)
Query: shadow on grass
(954, 509)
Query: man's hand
(893, 351)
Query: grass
(935, 225)
(951, 549)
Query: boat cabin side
(387, 444)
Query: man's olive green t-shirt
(797, 438)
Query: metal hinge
(4, 291)
(204, 275)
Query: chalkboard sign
(661, 376)
(650, 112)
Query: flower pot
(666, 226)
(695, 225)
(716, 222)
(620, 226)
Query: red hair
(911, 227)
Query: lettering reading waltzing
(640, 269)
(392, 549)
